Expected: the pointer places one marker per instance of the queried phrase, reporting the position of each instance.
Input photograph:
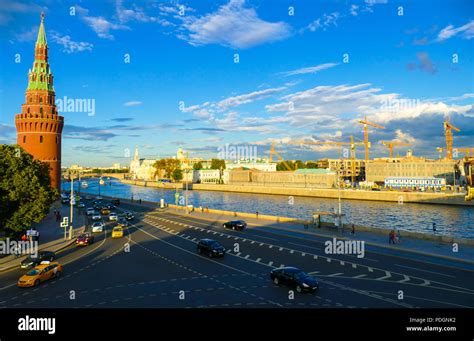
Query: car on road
(129, 216)
(116, 202)
(105, 211)
(90, 211)
(113, 216)
(110, 207)
(97, 227)
(81, 204)
(117, 232)
(96, 216)
(31, 261)
(294, 278)
(210, 247)
(235, 225)
(123, 222)
(44, 271)
(85, 239)
(64, 200)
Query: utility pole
(187, 174)
(72, 201)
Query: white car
(113, 216)
(90, 211)
(96, 216)
(97, 227)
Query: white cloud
(132, 103)
(234, 26)
(312, 69)
(137, 14)
(247, 98)
(27, 36)
(102, 26)
(324, 22)
(466, 31)
(70, 46)
(353, 10)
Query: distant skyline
(200, 74)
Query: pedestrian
(140, 201)
(390, 237)
(256, 213)
(353, 230)
(434, 227)
(399, 237)
(202, 209)
(24, 238)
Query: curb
(368, 243)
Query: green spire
(41, 34)
(40, 76)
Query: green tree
(166, 165)
(217, 164)
(177, 175)
(311, 164)
(197, 166)
(25, 191)
(299, 164)
(281, 166)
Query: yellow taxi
(46, 270)
(117, 232)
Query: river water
(450, 220)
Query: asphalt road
(155, 265)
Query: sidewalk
(51, 235)
(376, 242)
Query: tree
(197, 165)
(25, 191)
(281, 166)
(311, 164)
(177, 175)
(299, 164)
(217, 164)
(166, 165)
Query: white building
(205, 176)
(263, 166)
(142, 169)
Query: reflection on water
(450, 220)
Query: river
(455, 221)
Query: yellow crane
(352, 145)
(274, 152)
(448, 133)
(366, 134)
(466, 151)
(391, 144)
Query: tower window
(57, 139)
(41, 110)
(24, 138)
(41, 138)
(29, 99)
(41, 99)
(28, 111)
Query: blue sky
(306, 70)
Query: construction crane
(366, 134)
(391, 144)
(448, 133)
(466, 151)
(352, 145)
(274, 152)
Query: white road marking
(387, 275)
(417, 269)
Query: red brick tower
(39, 126)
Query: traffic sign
(66, 220)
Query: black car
(294, 278)
(235, 225)
(129, 216)
(123, 221)
(210, 247)
(30, 261)
(116, 202)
